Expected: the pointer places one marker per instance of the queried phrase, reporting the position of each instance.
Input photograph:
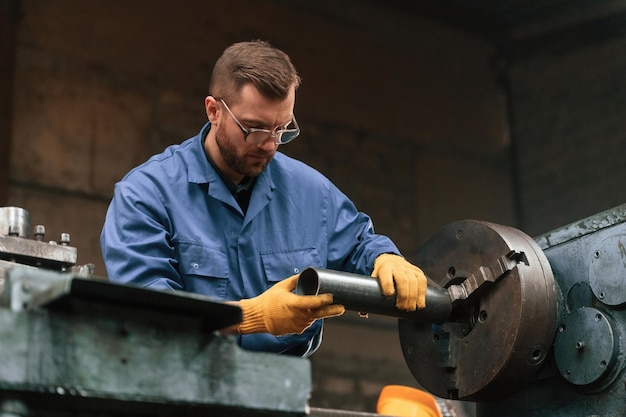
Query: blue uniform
(174, 224)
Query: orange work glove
(279, 311)
(410, 281)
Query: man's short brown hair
(258, 63)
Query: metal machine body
(80, 346)
(520, 326)
(585, 375)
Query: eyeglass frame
(276, 134)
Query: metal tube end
(308, 282)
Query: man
(225, 215)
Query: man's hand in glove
(279, 311)
(410, 281)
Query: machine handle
(363, 294)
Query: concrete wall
(568, 108)
(404, 114)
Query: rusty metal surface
(35, 253)
(145, 354)
(495, 341)
(590, 225)
(29, 289)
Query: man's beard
(233, 160)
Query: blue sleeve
(136, 228)
(352, 243)
(303, 345)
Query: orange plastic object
(403, 401)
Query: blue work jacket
(174, 224)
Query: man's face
(241, 158)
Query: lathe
(518, 326)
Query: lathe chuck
(499, 336)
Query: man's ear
(212, 109)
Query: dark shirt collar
(241, 191)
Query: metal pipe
(363, 294)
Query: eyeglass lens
(281, 136)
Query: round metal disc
(585, 346)
(495, 341)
